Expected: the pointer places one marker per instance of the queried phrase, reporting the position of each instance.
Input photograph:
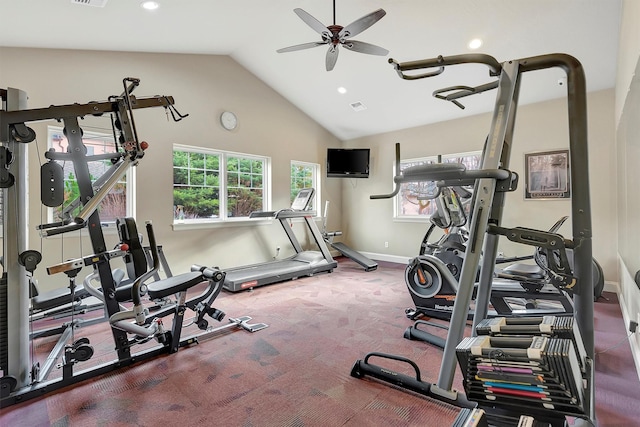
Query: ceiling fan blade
(332, 57)
(359, 25)
(363, 47)
(311, 21)
(300, 47)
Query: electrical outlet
(386, 244)
(500, 255)
(633, 326)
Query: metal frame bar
(15, 242)
(488, 208)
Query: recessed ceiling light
(150, 5)
(475, 44)
(342, 90)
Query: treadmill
(303, 263)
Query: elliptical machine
(520, 289)
(432, 277)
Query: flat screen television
(348, 163)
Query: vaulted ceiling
(251, 31)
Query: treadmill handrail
(283, 213)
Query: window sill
(198, 225)
(239, 222)
(422, 220)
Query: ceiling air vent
(96, 3)
(358, 106)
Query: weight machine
(21, 378)
(491, 182)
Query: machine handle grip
(63, 229)
(441, 62)
(396, 189)
(453, 93)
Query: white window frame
(315, 204)
(223, 194)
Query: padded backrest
(135, 260)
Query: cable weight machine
(21, 380)
(487, 210)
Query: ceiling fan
(336, 35)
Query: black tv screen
(348, 162)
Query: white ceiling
(251, 31)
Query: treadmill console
(303, 199)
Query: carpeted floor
(296, 372)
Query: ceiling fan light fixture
(337, 35)
(475, 44)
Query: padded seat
(56, 298)
(173, 285)
(529, 271)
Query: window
(305, 175)
(119, 201)
(409, 202)
(211, 185)
(413, 199)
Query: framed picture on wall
(547, 175)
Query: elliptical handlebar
(395, 191)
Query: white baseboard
(635, 348)
(627, 286)
(611, 287)
(388, 258)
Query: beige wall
(628, 162)
(203, 86)
(539, 127)
(628, 51)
